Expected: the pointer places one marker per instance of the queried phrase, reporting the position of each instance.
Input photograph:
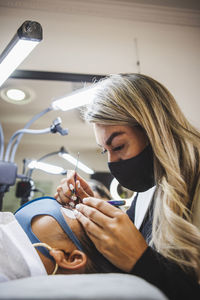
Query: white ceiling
(189, 4)
(61, 24)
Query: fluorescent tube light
(73, 161)
(49, 168)
(78, 98)
(24, 41)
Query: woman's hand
(112, 232)
(65, 191)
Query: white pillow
(85, 286)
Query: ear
(72, 261)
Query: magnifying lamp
(114, 191)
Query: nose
(112, 157)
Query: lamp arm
(1, 142)
(48, 155)
(22, 131)
(36, 117)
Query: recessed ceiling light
(17, 95)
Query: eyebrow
(112, 136)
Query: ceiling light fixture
(24, 41)
(16, 94)
(78, 98)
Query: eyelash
(118, 148)
(114, 149)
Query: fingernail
(73, 198)
(84, 200)
(72, 204)
(76, 212)
(78, 184)
(71, 187)
(78, 206)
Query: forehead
(47, 224)
(103, 132)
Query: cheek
(136, 146)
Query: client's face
(66, 254)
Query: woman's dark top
(159, 271)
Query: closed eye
(118, 148)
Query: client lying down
(65, 244)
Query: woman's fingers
(90, 227)
(73, 177)
(84, 185)
(60, 200)
(72, 187)
(115, 237)
(64, 197)
(80, 192)
(62, 194)
(93, 214)
(102, 206)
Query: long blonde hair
(135, 99)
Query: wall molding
(112, 9)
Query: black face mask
(136, 173)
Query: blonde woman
(152, 149)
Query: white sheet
(18, 258)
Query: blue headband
(43, 206)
